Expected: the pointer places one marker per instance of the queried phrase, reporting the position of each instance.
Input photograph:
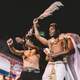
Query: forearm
(14, 51)
(11, 49)
(61, 53)
(36, 32)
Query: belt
(56, 62)
(30, 69)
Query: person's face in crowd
(52, 29)
(19, 40)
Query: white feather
(52, 8)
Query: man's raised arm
(36, 33)
(12, 49)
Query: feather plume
(52, 8)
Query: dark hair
(53, 25)
(56, 28)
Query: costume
(55, 71)
(74, 59)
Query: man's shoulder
(62, 36)
(66, 35)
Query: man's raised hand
(9, 41)
(35, 21)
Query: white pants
(58, 67)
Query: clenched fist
(35, 21)
(9, 41)
(46, 51)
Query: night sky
(16, 16)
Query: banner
(10, 66)
(4, 64)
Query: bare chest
(29, 53)
(56, 45)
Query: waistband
(56, 62)
(30, 69)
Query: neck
(29, 48)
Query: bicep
(43, 40)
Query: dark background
(16, 16)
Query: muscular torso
(60, 47)
(56, 45)
(31, 59)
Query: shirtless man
(58, 48)
(31, 70)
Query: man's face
(52, 30)
(19, 40)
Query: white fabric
(69, 75)
(76, 58)
(60, 71)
